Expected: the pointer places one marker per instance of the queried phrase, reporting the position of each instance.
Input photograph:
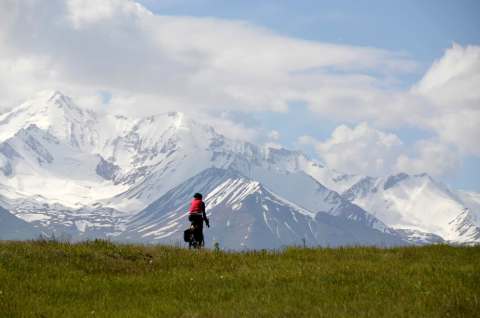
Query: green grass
(102, 279)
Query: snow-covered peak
(172, 124)
(50, 111)
(414, 202)
(47, 102)
(394, 182)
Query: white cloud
(451, 85)
(306, 140)
(84, 13)
(193, 63)
(368, 151)
(273, 135)
(454, 79)
(432, 157)
(360, 150)
(446, 102)
(229, 127)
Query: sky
(421, 28)
(366, 87)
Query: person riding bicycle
(197, 216)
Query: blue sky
(420, 29)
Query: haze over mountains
(80, 174)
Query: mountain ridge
(245, 214)
(76, 161)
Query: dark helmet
(197, 195)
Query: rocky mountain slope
(246, 214)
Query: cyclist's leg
(191, 242)
(197, 230)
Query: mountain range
(75, 173)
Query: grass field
(102, 279)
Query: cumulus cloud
(361, 149)
(454, 79)
(446, 102)
(451, 86)
(430, 156)
(368, 151)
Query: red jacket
(197, 206)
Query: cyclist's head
(197, 195)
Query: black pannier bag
(187, 235)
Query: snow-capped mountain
(49, 147)
(419, 204)
(48, 151)
(87, 174)
(245, 214)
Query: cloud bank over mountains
(117, 56)
(367, 150)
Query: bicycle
(194, 236)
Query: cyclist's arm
(203, 211)
(205, 219)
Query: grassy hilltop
(102, 279)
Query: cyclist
(197, 216)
